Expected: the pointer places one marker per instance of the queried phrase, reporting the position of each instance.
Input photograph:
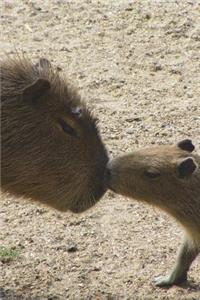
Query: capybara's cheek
(96, 188)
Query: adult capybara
(167, 176)
(51, 148)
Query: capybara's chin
(51, 148)
(87, 201)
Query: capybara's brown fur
(51, 148)
(167, 176)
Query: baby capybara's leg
(187, 254)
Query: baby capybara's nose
(111, 174)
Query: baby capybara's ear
(36, 90)
(187, 167)
(186, 145)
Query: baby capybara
(51, 148)
(167, 176)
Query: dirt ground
(137, 63)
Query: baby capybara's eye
(67, 128)
(152, 174)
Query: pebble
(130, 131)
(147, 16)
(176, 70)
(157, 67)
(37, 39)
(132, 119)
(72, 248)
(190, 95)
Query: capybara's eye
(152, 174)
(67, 128)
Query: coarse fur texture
(167, 176)
(51, 148)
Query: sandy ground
(137, 63)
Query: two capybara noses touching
(52, 152)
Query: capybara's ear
(36, 90)
(186, 145)
(187, 167)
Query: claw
(163, 281)
(170, 280)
